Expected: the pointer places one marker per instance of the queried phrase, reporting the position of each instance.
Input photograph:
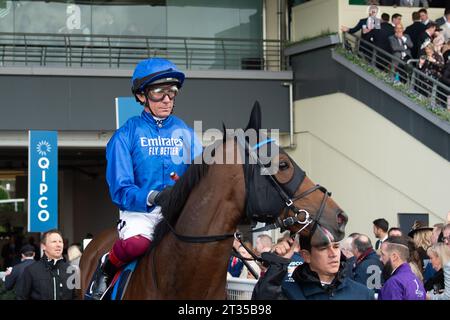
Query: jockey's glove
(158, 197)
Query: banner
(42, 180)
(126, 107)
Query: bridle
(283, 224)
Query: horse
(189, 254)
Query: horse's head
(286, 196)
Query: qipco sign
(42, 181)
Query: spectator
(367, 25)
(235, 265)
(48, 278)
(426, 37)
(438, 41)
(321, 277)
(37, 250)
(414, 30)
(444, 19)
(434, 62)
(396, 19)
(380, 228)
(424, 16)
(381, 40)
(421, 234)
(432, 65)
(367, 269)
(414, 260)
(442, 254)
(445, 25)
(27, 252)
(401, 44)
(395, 232)
(401, 284)
(346, 247)
(435, 283)
(245, 273)
(263, 243)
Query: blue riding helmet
(155, 70)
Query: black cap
(27, 248)
(418, 226)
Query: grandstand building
(64, 63)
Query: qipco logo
(43, 148)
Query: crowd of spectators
(425, 44)
(404, 3)
(398, 266)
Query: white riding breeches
(138, 223)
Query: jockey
(141, 156)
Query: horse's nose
(341, 218)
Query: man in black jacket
(50, 278)
(381, 40)
(367, 26)
(414, 30)
(16, 272)
(321, 277)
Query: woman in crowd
(435, 283)
(440, 258)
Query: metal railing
(240, 289)
(428, 90)
(75, 50)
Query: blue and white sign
(42, 180)
(126, 107)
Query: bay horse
(191, 248)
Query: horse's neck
(214, 207)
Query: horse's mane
(179, 194)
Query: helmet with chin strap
(155, 71)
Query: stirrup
(103, 278)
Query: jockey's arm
(120, 177)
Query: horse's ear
(255, 117)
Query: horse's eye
(283, 165)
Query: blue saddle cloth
(122, 282)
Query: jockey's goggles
(157, 94)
